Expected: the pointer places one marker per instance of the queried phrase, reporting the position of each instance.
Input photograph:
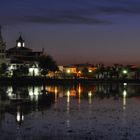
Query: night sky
(75, 31)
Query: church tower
(20, 42)
(2, 49)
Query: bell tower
(20, 42)
(2, 48)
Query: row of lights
(90, 71)
(68, 71)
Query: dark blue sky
(76, 31)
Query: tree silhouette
(3, 69)
(46, 63)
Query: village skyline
(76, 31)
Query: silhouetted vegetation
(3, 69)
(46, 63)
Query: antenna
(20, 33)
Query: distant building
(21, 53)
(22, 56)
(19, 56)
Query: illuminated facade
(20, 56)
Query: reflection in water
(20, 115)
(79, 93)
(68, 109)
(22, 101)
(34, 92)
(56, 93)
(124, 98)
(68, 97)
(124, 95)
(90, 97)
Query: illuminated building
(21, 56)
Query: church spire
(20, 42)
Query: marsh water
(61, 112)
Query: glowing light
(10, 91)
(22, 118)
(79, 72)
(125, 71)
(124, 93)
(68, 96)
(34, 92)
(68, 71)
(34, 71)
(79, 95)
(89, 71)
(19, 44)
(89, 95)
(56, 91)
(23, 44)
(124, 99)
(125, 84)
(18, 117)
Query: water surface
(95, 111)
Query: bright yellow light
(79, 72)
(89, 71)
(68, 71)
(68, 96)
(79, 95)
(89, 94)
(55, 91)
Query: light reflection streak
(90, 97)
(68, 96)
(79, 94)
(19, 116)
(68, 109)
(56, 93)
(124, 99)
(34, 92)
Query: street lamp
(125, 71)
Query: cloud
(72, 12)
(67, 19)
(92, 15)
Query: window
(19, 44)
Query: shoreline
(44, 80)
